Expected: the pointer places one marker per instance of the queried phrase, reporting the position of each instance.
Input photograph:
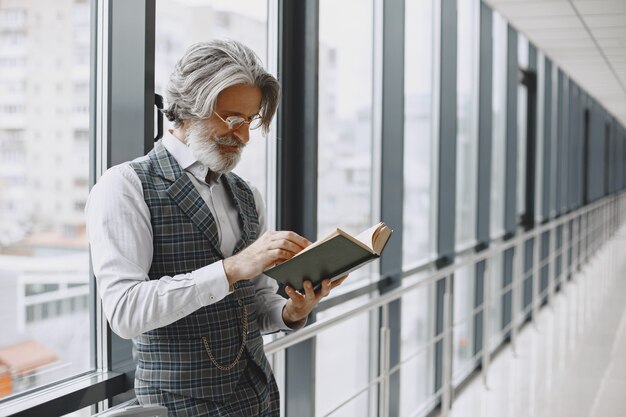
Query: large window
(496, 279)
(345, 119)
(539, 182)
(522, 125)
(345, 191)
(418, 132)
(417, 349)
(552, 138)
(463, 323)
(466, 181)
(498, 103)
(346, 347)
(498, 170)
(44, 182)
(467, 121)
(180, 23)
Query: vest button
(240, 302)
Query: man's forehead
(240, 99)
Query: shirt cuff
(277, 317)
(211, 283)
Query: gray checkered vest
(173, 358)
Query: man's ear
(181, 131)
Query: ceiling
(586, 38)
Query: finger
(294, 294)
(338, 282)
(279, 254)
(285, 244)
(309, 293)
(302, 242)
(324, 289)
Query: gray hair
(208, 68)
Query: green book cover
(333, 257)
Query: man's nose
(242, 133)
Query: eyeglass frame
(231, 120)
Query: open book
(332, 257)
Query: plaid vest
(173, 358)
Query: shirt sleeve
(120, 238)
(269, 304)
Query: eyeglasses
(235, 122)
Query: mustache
(228, 141)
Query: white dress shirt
(120, 236)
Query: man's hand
(268, 250)
(300, 305)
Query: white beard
(205, 148)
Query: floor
(572, 361)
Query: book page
(319, 242)
(380, 239)
(368, 237)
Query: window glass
(345, 192)
(467, 121)
(463, 323)
(498, 103)
(181, 23)
(554, 94)
(418, 123)
(356, 406)
(417, 349)
(539, 183)
(344, 347)
(345, 119)
(522, 125)
(564, 149)
(496, 269)
(44, 182)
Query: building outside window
(43, 247)
(498, 167)
(419, 191)
(498, 138)
(466, 181)
(467, 122)
(345, 197)
(522, 125)
(419, 205)
(241, 20)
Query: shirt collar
(187, 161)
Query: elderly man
(179, 244)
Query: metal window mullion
(554, 144)
(446, 174)
(510, 200)
(392, 172)
(129, 110)
(617, 181)
(598, 152)
(485, 115)
(131, 80)
(483, 203)
(558, 143)
(531, 182)
(562, 112)
(510, 212)
(97, 131)
(572, 146)
(296, 188)
(547, 139)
